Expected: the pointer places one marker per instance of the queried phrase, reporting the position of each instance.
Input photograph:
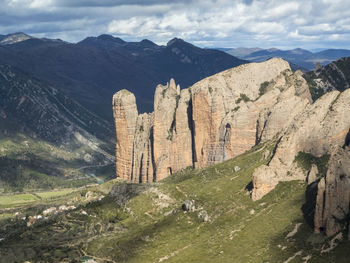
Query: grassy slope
(235, 233)
(151, 227)
(30, 164)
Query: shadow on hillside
(310, 204)
(126, 248)
(249, 187)
(124, 192)
(26, 171)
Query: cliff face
(334, 76)
(319, 128)
(333, 195)
(125, 116)
(214, 120)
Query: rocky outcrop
(171, 132)
(125, 116)
(334, 76)
(142, 150)
(214, 120)
(315, 131)
(333, 196)
(312, 175)
(226, 108)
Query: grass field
(10, 200)
(53, 194)
(29, 164)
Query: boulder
(188, 206)
(236, 168)
(203, 216)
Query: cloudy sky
(308, 24)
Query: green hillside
(152, 227)
(32, 164)
(48, 140)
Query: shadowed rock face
(319, 128)
(333, 195)
(214, 120)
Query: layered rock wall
(125, 117)
(214, 120)
(333, 195)
(319, 128)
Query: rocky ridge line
(216, 119)
(322, 126)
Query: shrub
(244, 97)
(263, 88)
(305, 160)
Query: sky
(310, 24)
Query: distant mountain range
(298, 58)
(13, 38)
(47, 138)
(56, 126)
(92, 70)
(40, 110)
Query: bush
(305, 160)
(263, 88)
(244, 97)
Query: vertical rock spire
(125, 117)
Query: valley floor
(119, 222)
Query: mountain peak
(175, 40)
(273, 49)
(103, 40)
(107, 37)
(146, 42)
(14, 38)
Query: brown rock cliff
(214, 120)
(316, 130)
(333, 196)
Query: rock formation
(333, 76)
(214, 120)
(333, 195)
(321, 126)
(172, 141)
(125, 116)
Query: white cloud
(281, 23)
(40, 4)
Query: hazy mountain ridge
(13, 38)
(42, 95)
(300, 57)
(93, 69)
(45, 111)
(46, 137)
